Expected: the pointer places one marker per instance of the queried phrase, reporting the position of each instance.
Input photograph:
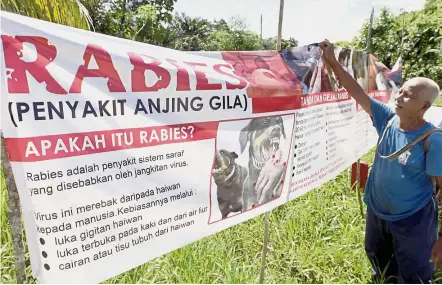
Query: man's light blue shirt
(399, 188)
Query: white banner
(124, 151)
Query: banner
(124, 151)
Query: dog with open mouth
(229, 178)
(264, 138)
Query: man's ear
(426, 106)
(244, 136)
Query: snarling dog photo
(264, 138)
(229, 178)
(249, 165)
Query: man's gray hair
(430, 90)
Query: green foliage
(422, 48)
(141, 20)
(152, 22)
(190, 34)
(346, 44)
(197, 34)
(234, 36)
(67, 12)
(270, 43)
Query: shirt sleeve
(380, 114)
(434, 155)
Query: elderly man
(402, 240)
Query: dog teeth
(216, 170)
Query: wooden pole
(267, 214)
(14, 215)
(358, 188)
(281, 12)
(260, 34)
(368, 47)
(403, 32)
(264, 247)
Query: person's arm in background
(350, 84)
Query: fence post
(266, 215)
(14, 215)
(358, 186)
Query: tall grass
(317, 238)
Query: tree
(67, 12)
(141, 20)
(191, 34)
(234, 36)
(346, 44)
(270, 43)
(198, 34)
(422, 48)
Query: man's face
(408, 101)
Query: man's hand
(349, 83)
(328, 51)
(436, 253)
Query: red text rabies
(46, 53)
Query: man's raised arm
(350, 84)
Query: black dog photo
(229, 178)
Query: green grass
(317, 238)
(438, 102)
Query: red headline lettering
(46, 53)
(68, 145)
(322, 98)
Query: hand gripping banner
(124, 151)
